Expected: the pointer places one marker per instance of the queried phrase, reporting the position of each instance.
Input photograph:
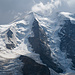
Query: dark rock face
(9, 35)
(39, 45)
(67, 36)
(32, 68)
(10, 46)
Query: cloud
(51, 7)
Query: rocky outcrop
(10, 46)
(9, 34)
(39, 45)
(10, 43)
(32, 68)
(67, 36)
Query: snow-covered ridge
(21, 30)
(17, 34)
(68, 15)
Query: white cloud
(50, 7)
(66, 5)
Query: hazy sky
(10, 8)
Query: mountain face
(9, 35)
(67, 36)
(40, 46)
(36, 44)
(32, 68)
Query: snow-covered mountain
(48, 40)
